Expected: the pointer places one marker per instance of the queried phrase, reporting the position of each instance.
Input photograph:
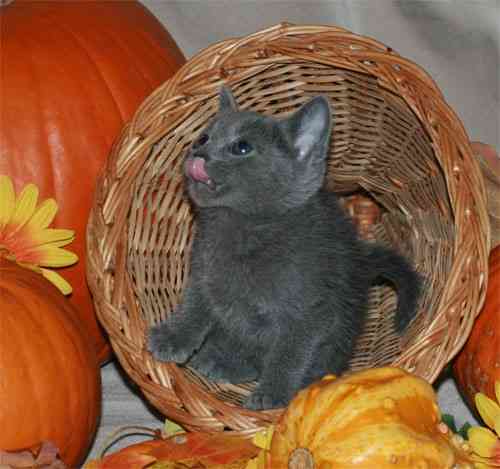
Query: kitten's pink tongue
(196, 169)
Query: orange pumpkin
(477, 366)
(72, 73)
(49, 375)
(375, 419)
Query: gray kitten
(279, 280)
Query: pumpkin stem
(301, 458)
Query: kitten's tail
(395, 268)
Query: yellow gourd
(379, 418)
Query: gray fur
(279, 280)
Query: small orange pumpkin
(375, 419)
(49, 375)
(477, 366)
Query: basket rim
(393, 73)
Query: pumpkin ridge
(119, 43)
(9, 298)
(88, 388)
(154, 47)
(46, 329)
(30, 308)
(319, 419)
(25, 302)
(393, 440)
(349, 410)
(76, 390)
(72, 399)
(46, 154)
(78, 40)
(45, 136)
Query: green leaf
(464, 429)
(449, 420)
(171, 428)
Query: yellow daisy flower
(484, 442)
(25, 236)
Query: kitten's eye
(241, 147)
(201, 141)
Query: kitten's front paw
(167, 346)
(260, 399)
(208, 367)
(221, 368)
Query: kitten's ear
(310, 128)
(226, 100)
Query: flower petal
(56, 257)
(49, 254)
(62, 242)
(482, 441)
(7, 200)
(53, 277)
(25, 207)
(29, 245)
(53, 236)
(487, 408)
(44, 215)
(497, 391)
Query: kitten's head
(256, 164)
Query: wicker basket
(489, 162)
(400, 159)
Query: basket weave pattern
(400, 160)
